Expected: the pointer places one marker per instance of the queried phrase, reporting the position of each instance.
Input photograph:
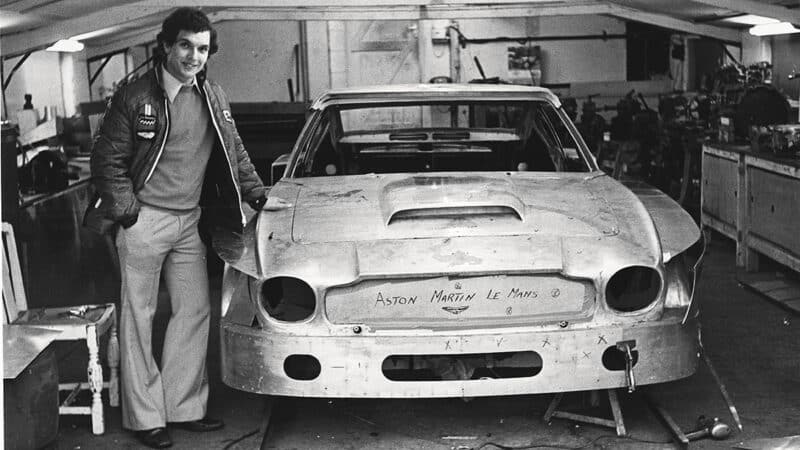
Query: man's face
(188, 54)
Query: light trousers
(168, 242)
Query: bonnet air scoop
(430, 198)
(452, 211)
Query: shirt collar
(172, 85)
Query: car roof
(431, 92)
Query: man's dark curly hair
(187, 19)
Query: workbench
(64, 263)
(754, 199)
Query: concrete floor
(754, 344)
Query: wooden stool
(617, 423)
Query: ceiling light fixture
(750, 19)
(770, 29)
(66, 45)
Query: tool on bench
(81, 311)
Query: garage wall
(368, 52)
(40, 76)
(785, 51)
(319, 73)
(255, 59)
(106, 82)
(60, 80)
(562, 61)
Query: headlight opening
(288, 299)
(633, 288)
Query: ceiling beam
(411, 12)
(728, 35)
(757, 8)
(39, 38)
(147, 35)
(123, 40)
(301, 4)
(25, 6)
(19, 43)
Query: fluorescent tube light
(101, 32)
(773, 28)
(66, 45)
(750, 19)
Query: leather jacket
(130, 144)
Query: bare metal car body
(417, 279)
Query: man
(167, 147)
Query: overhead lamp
(66, 45)
(770, 29)
(96, 33)
(750, 19)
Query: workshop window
(648, 52)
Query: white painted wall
(105, 84)
(255, 60)
(584, 61)
(562, 61)
(39, 76)
(67, 68)
(80, 79)
(337, 53)
(785, 51)
(319, 74)
(755, 49)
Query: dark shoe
(204, 424)
(154, 438)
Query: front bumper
(253, 359)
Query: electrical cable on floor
(568, 447)
(524, 447)
(240, 439)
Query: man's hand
(129, 222)
(276, 204)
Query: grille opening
(302, 367)
(633, 288)
(288, 299)
(472, 366)
(614, 358)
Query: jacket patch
(146, 123)
(227, 115)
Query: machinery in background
(268, 129)
(570, 106)
(748, 102)
(630, 145)
(592, 124)
(781, 139)
(686, 123)
(663, 147)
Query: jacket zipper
(163, 143)
(227, 158)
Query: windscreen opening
(441, 137)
